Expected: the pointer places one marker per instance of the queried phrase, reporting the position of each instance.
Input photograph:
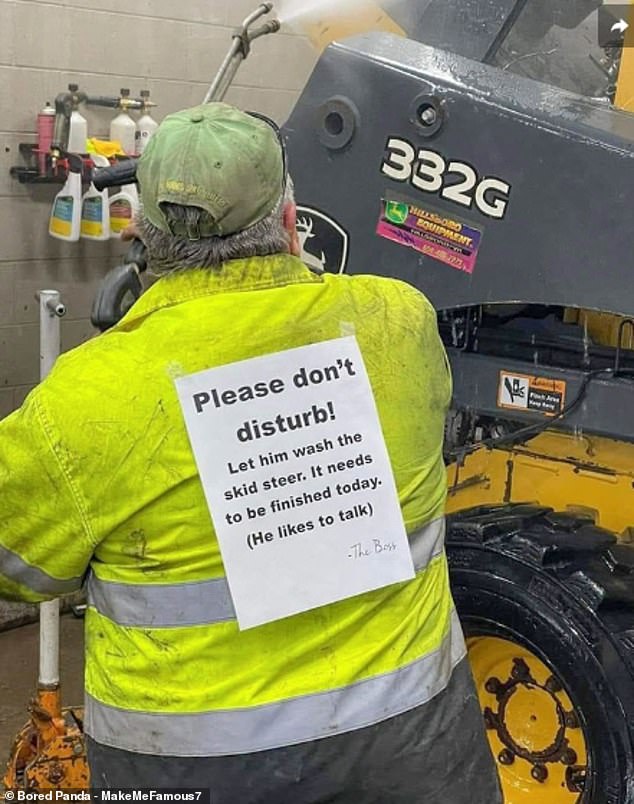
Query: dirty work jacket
(96, 472)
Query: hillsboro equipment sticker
(536, 394)
(437, 236)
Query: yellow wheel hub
(532, 717)
(533, 729)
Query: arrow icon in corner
(621, 26)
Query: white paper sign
(297, 478)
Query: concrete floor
(18, 676)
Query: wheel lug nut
(539, 773)
(490, 720)
(520, 669)
(493, 685)
(576, 779)
(569, 757)
(553, 684)
(506, 757)
(571, 720)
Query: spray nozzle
(65, 104)
(272, 26)
(145, 99)
(126, 102)
(56, 308)
(76, 97)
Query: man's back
(159, 603)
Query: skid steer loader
(508, 202)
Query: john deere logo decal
(396, 212)
(324, 242)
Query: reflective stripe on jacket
(96, 471)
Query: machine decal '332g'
(458, 182)
(432, 233)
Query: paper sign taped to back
(297, 478)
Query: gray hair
(167, 252)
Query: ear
(289, 219)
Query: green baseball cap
(215, 157)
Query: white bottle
(95, 209)
(78, 126)
(146, 124)
(123, 127)
(124, 206)
(65, 220)
(78, 133)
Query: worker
(367, 699)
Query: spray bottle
(124, 206)
(146, 124)
(123, 127)
(78, 126)
(65, 220)
(95, 209)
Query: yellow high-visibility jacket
(97, 475)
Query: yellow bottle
(124, 206)
(95, 209)
(65, 220)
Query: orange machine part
(49, 750)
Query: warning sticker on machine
(442, 238)
(536, 394)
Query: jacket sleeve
(45, 543)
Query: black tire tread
(569, 547)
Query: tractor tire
(546, 601)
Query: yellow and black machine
(508, 201)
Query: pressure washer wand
(239, 50)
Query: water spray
(290, 12)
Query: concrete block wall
(171, 48)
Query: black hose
(123, 172)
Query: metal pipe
(260, 11)
(51, 309)
(49, 644)
(272, 26)
(228, 69)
